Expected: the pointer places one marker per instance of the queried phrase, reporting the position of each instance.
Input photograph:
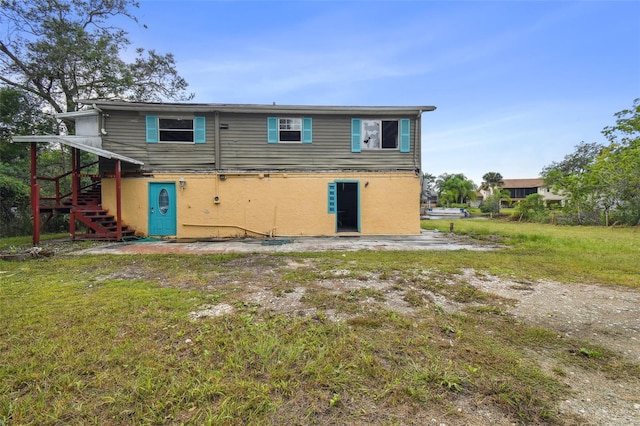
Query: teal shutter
(272, 129)
(199, 130)
(152, 129)
(356, 138)
(307, 133)
(405, 135)
(333, 201)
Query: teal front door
(162, 209)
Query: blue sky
(517, 84)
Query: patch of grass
(110, 339)
(300, 276)
(82, 346)
(486, 309)
(415, 298)
(465, 293)
(25, 242)
(561, 253)
(350, 301)
(281, 291)
(49, 243)
(363, 293)
(369, 321)
(590, 353)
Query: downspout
(416, 159)
(216, 142)
(103, 116)
(417, 142)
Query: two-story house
(519, 189)
(224, 170)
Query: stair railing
(60, 198)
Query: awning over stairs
(85, 143)
(92, 144)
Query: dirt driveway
(606, 315)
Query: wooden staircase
(83, 204)
(99, 224)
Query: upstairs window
(379, 134)
(175, 129)
(368, 134)
(289, 130)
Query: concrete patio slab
(427, 240)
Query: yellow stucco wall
(278, 204)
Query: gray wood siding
(126, 135)
(244, 146)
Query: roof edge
(251, 108)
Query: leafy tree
(491, 181)
(14, 205)
(626, 132)
(615, 174)
(570, 177)
(603, 180)
(532, 208)
(575, 163)
(19, 115)
(455, 188)
(493, 202)
(54, 53)
(428, 179)
(65, 50)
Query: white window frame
(368, 136)
(293, 124)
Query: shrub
(531, 209)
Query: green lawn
(110, 340)
(585, 254)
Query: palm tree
(491, 181)
(455, 187)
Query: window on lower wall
(175, 129)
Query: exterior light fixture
(182, 182)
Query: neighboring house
(520, 188)
(480, 194)
(224, 170)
